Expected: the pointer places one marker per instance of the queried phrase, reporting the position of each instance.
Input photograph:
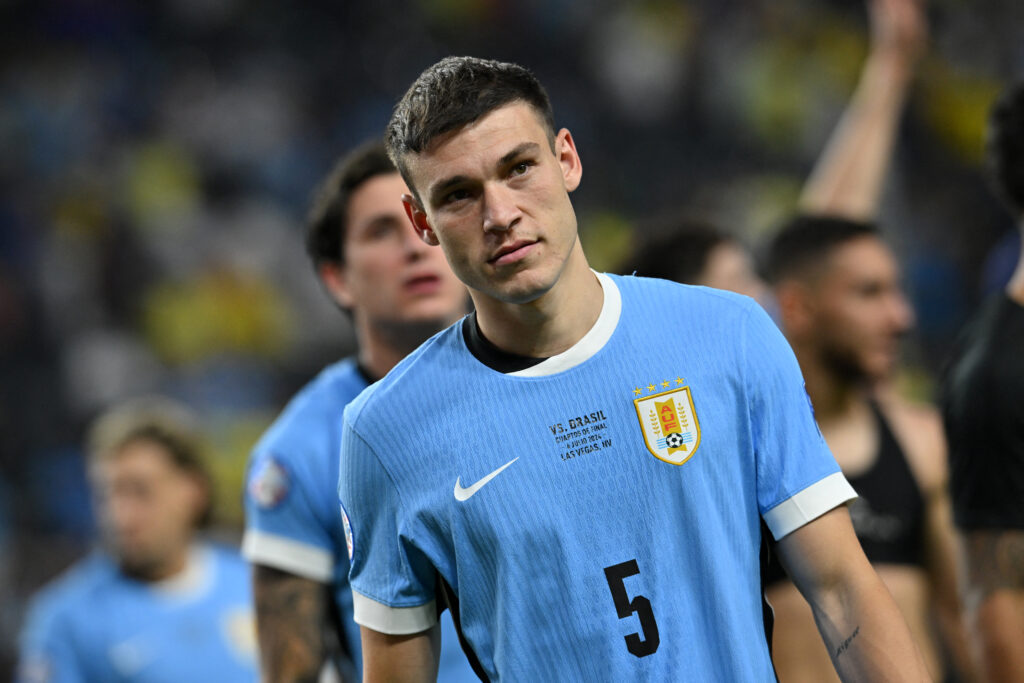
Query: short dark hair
(326, 224)
(454, 92)
(805, 241)
(675, 249)
(1005, 147)
(157, 420)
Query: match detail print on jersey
(669, 424)
(464, 494)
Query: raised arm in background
(847, 178)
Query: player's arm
(995, 597)
(847, 178)
(411, 658)
(291, 620)
(863, 629)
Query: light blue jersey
(291, 504)
(96, 624)
(597, 515)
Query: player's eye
(520, 168)
(456, 196)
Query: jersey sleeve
(282, 528)
(47, 653)
(393, 583)
(798, 480)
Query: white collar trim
(592, 342)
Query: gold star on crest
(651, 387)
(679, 380)
(665, 384)
(637, 391)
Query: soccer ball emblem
(674, 440)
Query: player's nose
(500, 209)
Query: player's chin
(426, 309)
(880, 366)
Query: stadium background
(157, 160)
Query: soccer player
(398, 292)
(156, 604)
(983, 407)
(583, 465)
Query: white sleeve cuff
(288, 555)
(809, 504)
(396, 621)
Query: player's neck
(168, 568)
(382, 344)
(1015, 287)
(832, 395)
(550, 324)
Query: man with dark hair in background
(614, 442)
(397, 293)
(983, 408)
(836, 286)
(157, 605)
(840, 304)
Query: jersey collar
(592, 342)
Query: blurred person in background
(836, 284)
(696, 253)
(156, 604)
(398, 292)
(983, 410)
(843, 310)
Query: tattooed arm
(291, 624)
(995, 600)
(863, 629)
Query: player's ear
(569, 158)
(418, 217)
(333, 275)
(795, 308)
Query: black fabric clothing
(489, 354)
(983, 412)
(888, 514)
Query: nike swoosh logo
(464, 494)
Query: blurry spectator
(696, 253)
(156, 604)
(983, 406)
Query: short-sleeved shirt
(291, 505)
(983, 412)
(598, 515)
(96, 624)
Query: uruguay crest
(669, 424)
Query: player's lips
(512, 252)
(423, 283)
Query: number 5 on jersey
(624, 607)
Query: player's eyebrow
(439, 188)
(518, 150)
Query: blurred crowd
(158, 160)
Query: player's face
(862, 312)
(389, 274)
(495, 196)
(729, 267)
(148, 507)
